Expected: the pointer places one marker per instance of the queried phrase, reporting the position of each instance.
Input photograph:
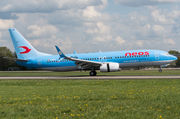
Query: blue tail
(23, 48)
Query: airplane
(29, 57)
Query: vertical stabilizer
(23, 48)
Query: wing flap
(84, 63)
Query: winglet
(75, 52)
(61, 54)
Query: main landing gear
(160, 70)
(93, 73)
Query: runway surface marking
(93, 77)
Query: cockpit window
(166, 54)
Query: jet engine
(110, 67)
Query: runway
(90, 77)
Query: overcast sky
(92, 25)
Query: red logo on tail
(26, 49)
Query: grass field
(77, 73)
(90, 99)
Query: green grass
(77, 73)
(109, 99)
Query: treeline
(177, 62)
(5, 63)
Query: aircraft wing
(85, 64)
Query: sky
(92, 25)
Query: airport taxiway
(91, 77)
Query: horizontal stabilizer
(21, 60)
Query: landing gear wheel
(160, 70)
(93, 73)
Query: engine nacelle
(110, 67)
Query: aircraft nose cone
(174, 57)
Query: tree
(5, 63)
(174, 52)
(19, 66)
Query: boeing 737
(29, 57)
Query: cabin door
(39, 62)
(157, 55)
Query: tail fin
(23, 48)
